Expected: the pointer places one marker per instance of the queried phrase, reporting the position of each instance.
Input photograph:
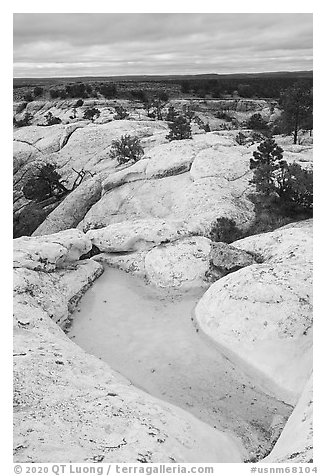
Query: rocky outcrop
(182, 263)
(261, 316)
(72, 209)
(68, 405)
(226, 259)
(46, 253)
(295, 444)
(137, 234)
(162, 187)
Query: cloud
(115, 44)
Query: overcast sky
(109, 44)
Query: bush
(91, 113)
(257, 123)
(79, 103)
(226, 230)
(44, 184)
(76, 90)
(138, 94)
(121, 113)
(51, 119)
(38, 91)
(171, 114)
(28, 97)
(108, 90)
(58, 93)
(179, 129)
(126, 149)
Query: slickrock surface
(262, 314)
(69, 406)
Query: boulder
(183, 263)
(46, 253)
(225, 259)
(136, 235)
(171, 159)
(295, 445)
(261, 316)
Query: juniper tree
(179, 129)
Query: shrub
(51, 119)
(241, 138)
(121, 113)
(108, 90)
(76, 90)
(171, 114)
(38, 91)
(28, 97)
(126, 149)
(226, 230)
(91, 113)
(58, 93)
(79, 103)
(257, 123)
(54, 93)
(138, 94)
(179, 129)
(44, 184)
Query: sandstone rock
(81, 410)
(130, 173)
(261, 316)
(89, 148)
(54, 293)
(136, 234)
(170, 198)
(182, 263)
(45, 253)
(171, 159)
(225, 259)
(292, 243)
(72, 209)
(133, 262)
(296, 440)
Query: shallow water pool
(147, 335)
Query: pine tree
(296, 102)
(267, 163)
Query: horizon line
(164, 75)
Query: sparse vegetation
(296, 103)
(51, 119)
(47, 182)
(126, 149)
(225, 229)
(120, 113)
(288, 185)
(257, 123)
(38, 91)
(179, 129)
(91, 113)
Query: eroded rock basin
(148, 336)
